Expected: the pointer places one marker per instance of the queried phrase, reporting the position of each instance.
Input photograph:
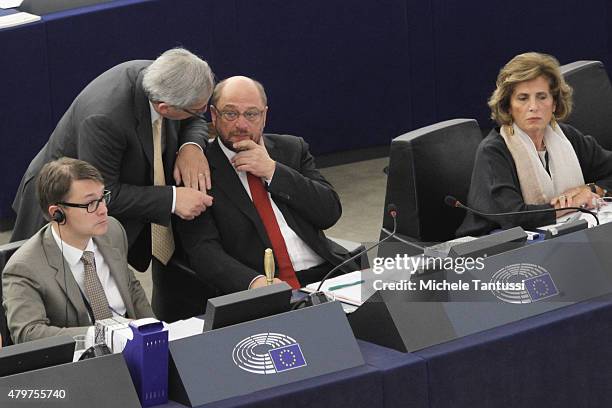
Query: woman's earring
(553, 122)
(510, 128)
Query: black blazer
(495, 185)
(225, 245)
(109, 126)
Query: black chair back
(425, 165)
(6, 251)
(592, 113)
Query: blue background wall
(342, 74)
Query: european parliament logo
(537, 283)
(268, 353)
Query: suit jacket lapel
(277, 155)
(67, 282)
(117, 267)
(143, 115)
(225, 178)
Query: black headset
(59, 216)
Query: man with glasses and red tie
(74, 270)
(268, 194)
(137, 124)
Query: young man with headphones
(74, 270)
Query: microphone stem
(329, 274)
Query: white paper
(17, 19)
(604, 213)
(358, 293)
(6, 4)
(185, 328)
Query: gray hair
(178, 78)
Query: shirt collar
(154, 114)
(71, 254)
(228, 153)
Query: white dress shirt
(301, 255)
(73, 256)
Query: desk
(561, 358)
(557, 359)
(389, 379)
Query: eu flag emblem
(287, 357)
(540, 287)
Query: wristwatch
(600, 191)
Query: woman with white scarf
(531, 161)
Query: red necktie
(262, 203)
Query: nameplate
(261, 354)
(94, 383)
(436, 307)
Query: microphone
(453, 202)
(318, 297)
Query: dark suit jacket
(225, 245)
(37, 301)
(109, 126)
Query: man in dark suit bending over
(136, 124)
(268, 194)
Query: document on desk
(12, 18)
(185, 328)
(354, 288)
(6, 4)
(604, 213)
(346, 288)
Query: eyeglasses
(195, 114)
(91, 206)
(251, 115)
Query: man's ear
(213, 115)
(51, 210)
(163, 108)
(263, 119)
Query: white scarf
(537, 186)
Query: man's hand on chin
(253, 158)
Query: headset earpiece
(59, 217)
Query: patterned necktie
(162, 240)
(93, 288)
(262, 203)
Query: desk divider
(99, 382)
(261, 354)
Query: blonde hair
(525, 67)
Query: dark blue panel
(473, 40)
(112, 33)
(421, 63)
(25, 113)
(334, 71)
(558, 359)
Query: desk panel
(561, 358)
(389, 379)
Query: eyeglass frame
(195, 114)
(189, 111)
(106, 197)
(255, 120)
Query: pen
(345, 285)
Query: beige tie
(93, 288)
(161, 236)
